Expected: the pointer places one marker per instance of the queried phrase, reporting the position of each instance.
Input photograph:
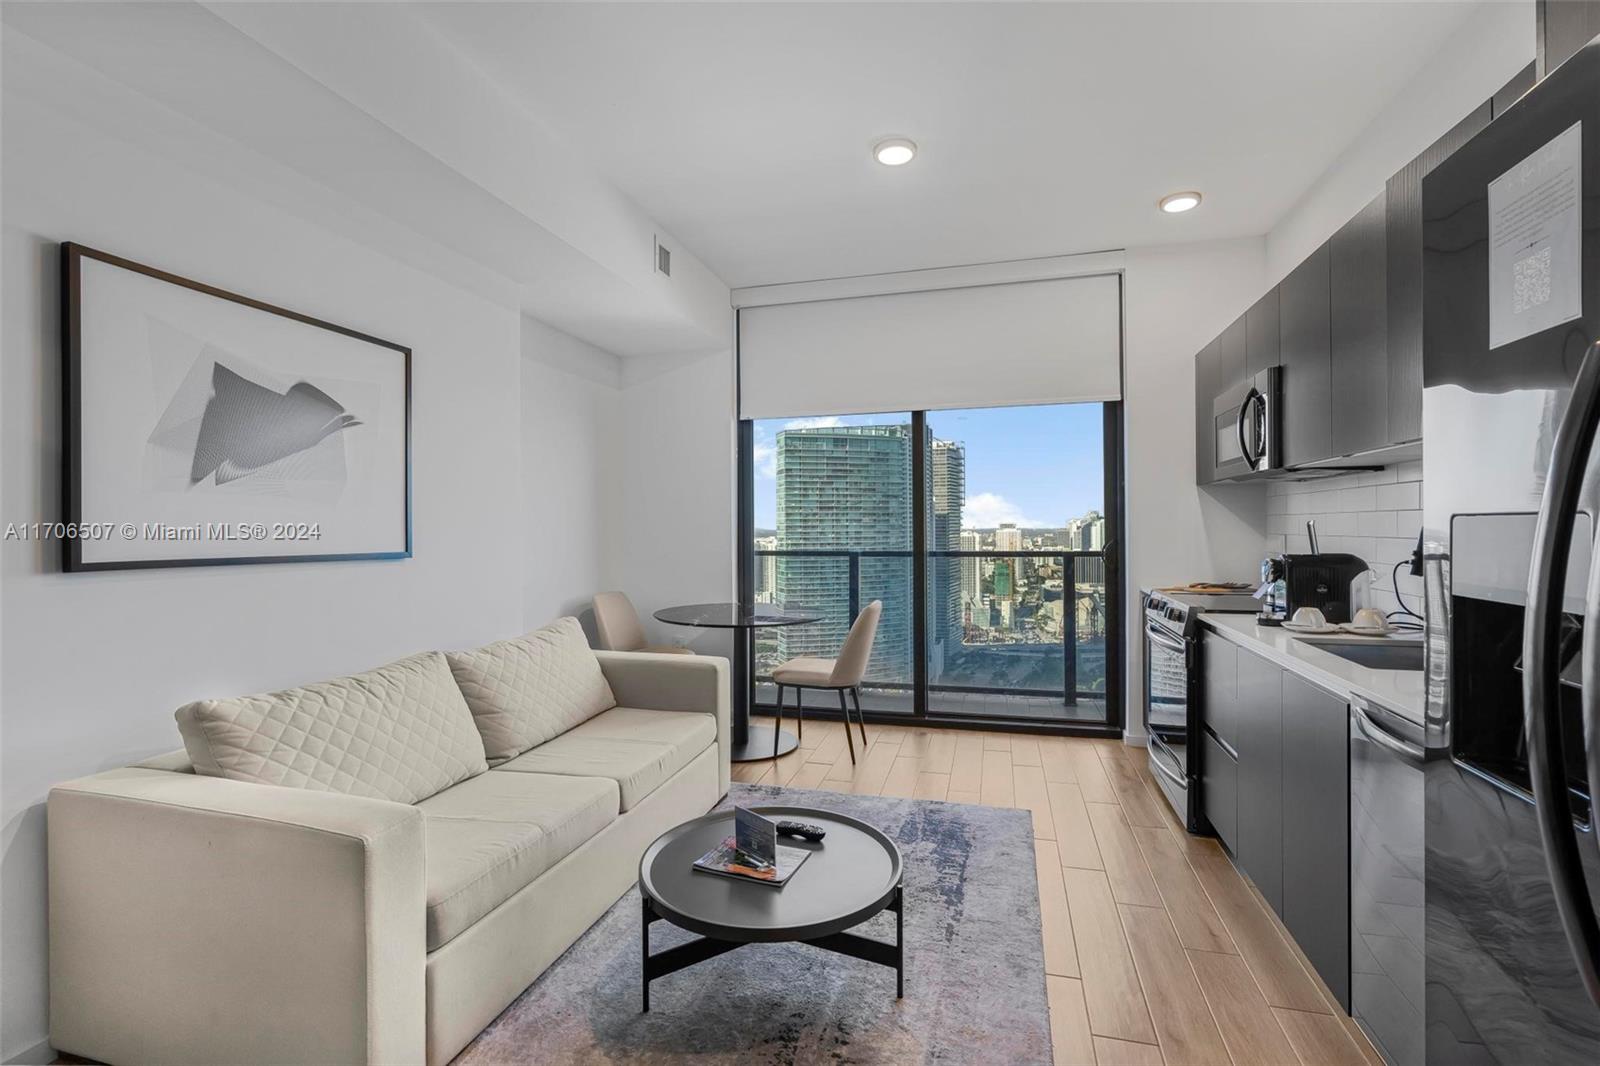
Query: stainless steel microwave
(1247, 426)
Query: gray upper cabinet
(1564, 26)
(1207, 374)
(1403, 255)
(1304, 338)
(1316, 829)
(1259, 844)
(1359, 333)
(1261, 329)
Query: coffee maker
(1315, 579)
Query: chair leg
(847, 738)
(800, 714)
(777, 728)
(855, 694)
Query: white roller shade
(1054, 341)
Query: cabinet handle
(1541, 658)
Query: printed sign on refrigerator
(1536, 241)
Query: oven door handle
(1157, 749)
(1160, 636)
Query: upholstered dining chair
(616, 623)
(843, 675)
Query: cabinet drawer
(1219, 676)
(1219, 790)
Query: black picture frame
(72, 560)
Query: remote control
(805, 830)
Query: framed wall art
(204, 428)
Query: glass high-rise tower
(948, 471)
(843, 487)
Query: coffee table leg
(644, 950)
(899, 943)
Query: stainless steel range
(1171, 700)
(1172, 688)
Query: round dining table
(749, 743)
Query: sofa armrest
(196, 919)
(674, 683)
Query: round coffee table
(851, 875)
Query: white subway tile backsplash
(1376, 523)
(1371, 513)
(1402, 496)
(1360, 499)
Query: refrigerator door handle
(1541, 657)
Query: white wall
(1176, 298)
(1490, 48)
(672, 538)
(94, 664)
(571, 396)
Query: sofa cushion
(401, 732)
(489, 837)
(526, 690)
(638, 749)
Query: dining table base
(758, 744)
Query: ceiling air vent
(663, 259)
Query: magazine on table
(753, 852)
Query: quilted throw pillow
(401, 732)
(524, 691)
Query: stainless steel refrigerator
(1511, 297)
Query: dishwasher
(1387, 918)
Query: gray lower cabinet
(1219, 790)
(1277, 793)
(1259, 850)
(1316, 829)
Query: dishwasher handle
(1373, 730)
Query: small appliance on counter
(1315, 579)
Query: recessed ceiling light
(1179, 202)
(894, 151)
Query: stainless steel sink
(1407, 656)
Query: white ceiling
(744, 129)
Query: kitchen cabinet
(1564, 26)
(1219, 784)
(1304, 354)
(1207, 375)
(1278, 795)
(1260, 724)
(1231, 357)
(1403, 261)
(1359, 333)
(1219, 674)
(1261, 340)
(1316, 829)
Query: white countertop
(1400, 691)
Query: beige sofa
(273, 901)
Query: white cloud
(987, 510)
(823, 422)
(766, 460)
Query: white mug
(1371, 618)
(1309, 617)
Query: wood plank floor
(1156, 949)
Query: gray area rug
(975, 985)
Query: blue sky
(1035, 466)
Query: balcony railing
(1001, 655)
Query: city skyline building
(948, 471)
(843, 487)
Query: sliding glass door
(988, 535)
